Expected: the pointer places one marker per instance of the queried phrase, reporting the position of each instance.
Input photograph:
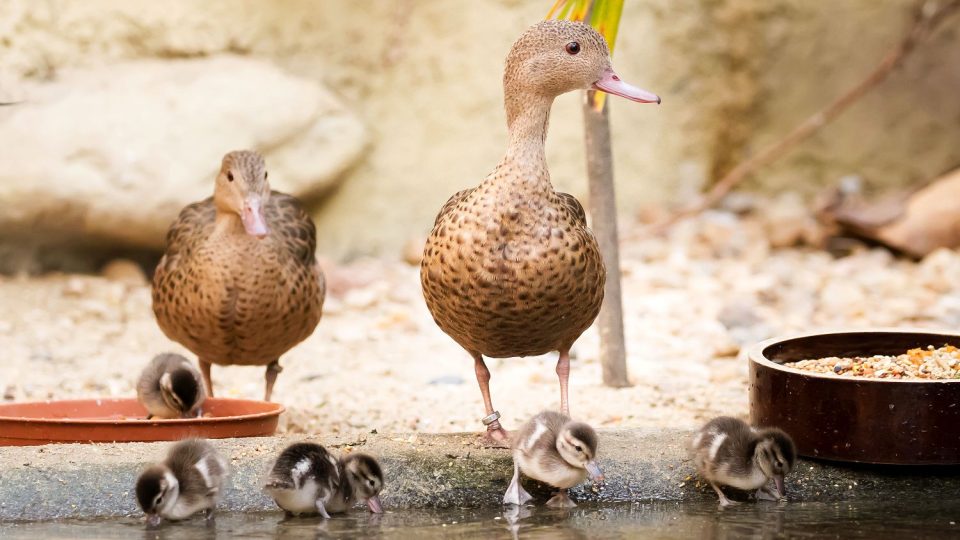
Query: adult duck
(510, 268)
(239, 282)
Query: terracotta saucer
(124, 420)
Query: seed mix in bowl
(929, 363)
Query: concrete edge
(422, 471)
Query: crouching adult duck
(239, 283)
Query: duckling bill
(190, 480)
(728, 452)
(306, 479)
(557, 451)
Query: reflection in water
(875, 520)
(541, 522)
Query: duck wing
(194, 223)
(293, 227)
(452, 203)
(573, 206)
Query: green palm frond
(603, 15)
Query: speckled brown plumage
(510, 268)
(233, 298)
(506, 274)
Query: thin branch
(929, 15)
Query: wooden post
(603, 213)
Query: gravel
(692, 298)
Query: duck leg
(515, 493)
(207, 381)
(322, 510)
(273, 369)
(724, 501)
(495, 436)
(563, 373)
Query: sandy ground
(377, 360)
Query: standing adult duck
(511, 268)
(239, 283)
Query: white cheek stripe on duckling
(172, 493)
(204, 470)
(715, 445)
(171, 480)
(538, 431)
(299, 470)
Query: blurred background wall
(375, 111)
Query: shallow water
(874, 520)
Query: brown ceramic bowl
(881, 421)
(124, 420)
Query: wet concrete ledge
(58, 481)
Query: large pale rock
(113, 153)
(427, 75)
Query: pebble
(447, 379)
(413, 250)
(363, 298)
(124, 271)
(739, 314)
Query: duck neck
(528, 116)
(228, 223)
(347, 492)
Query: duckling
(511, 268)
(170, 387)
(728, 452)
(306, 479)
(191, 479)
(239, 283)
(555, 450)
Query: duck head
(366, 479)
(556, 56)
(157, 491)
(776, 455)
(577, 444)
(242, 189)
(181, 391)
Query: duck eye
(265, 174)
(573, 47)
(230, 176)
(579, 449)
(371, 483)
